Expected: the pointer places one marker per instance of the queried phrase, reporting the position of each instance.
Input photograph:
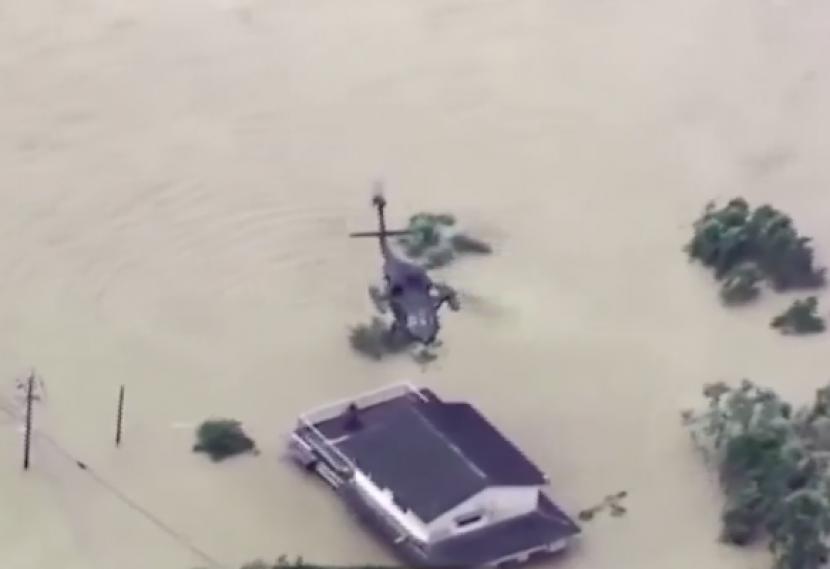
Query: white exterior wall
(496, 504)
(382, 498)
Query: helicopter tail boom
(382, 233)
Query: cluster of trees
(773, 463)
(222, 438)
(745, 247)
(434, 240)
(741, 284)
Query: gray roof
(434, 455)
(483, 444)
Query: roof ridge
(435, 422)
(450, 442)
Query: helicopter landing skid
(447, 294)
(453, 303)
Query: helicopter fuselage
(409, 293)
(413, 297)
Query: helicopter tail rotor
(380, 203)
(377, 195)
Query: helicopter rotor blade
(380, 233)
(377, 187)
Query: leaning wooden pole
(120, 416)
(27, 437)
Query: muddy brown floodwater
(177, 179)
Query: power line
(10, 411)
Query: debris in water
(610, 502)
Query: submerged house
(435, 478)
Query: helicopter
(414, 298)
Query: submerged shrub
(799, 528)
(733, 235)
(222, 438)
(741, 285)
(425, 232)
(375, 340)
(800, 318)
(773, 468)
(435, 241)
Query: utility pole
(120, 416)
(27, 440)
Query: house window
(468, 520)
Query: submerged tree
(798, 529)
(773, 468)
(435, 241)
(426, 231)
(735, 235)
(741, 285)
(800, 318)
(376, 340)
(222, 438)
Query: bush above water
(800, 318)
(222, 438)
(740, 285)
(426, 232)
(375, 340)
(435, 241)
